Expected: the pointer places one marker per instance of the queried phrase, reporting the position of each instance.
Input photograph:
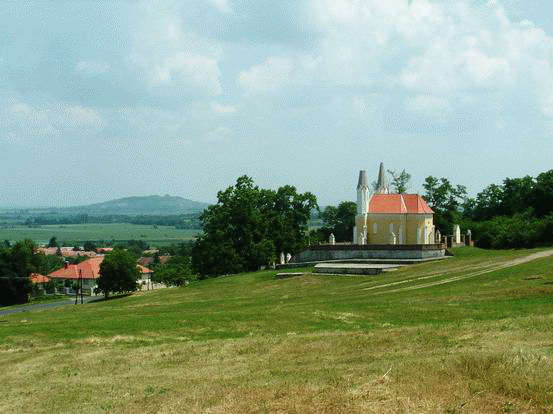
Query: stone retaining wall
(375, 251)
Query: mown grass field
(469, 334)
(79, 233)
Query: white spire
(362, 193)
(382, 183)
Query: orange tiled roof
(145, 261)
(398, 204)
(38, 278)
(144, 269)
(90, 269)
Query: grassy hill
(149, 205)
(469, 334)
(153, 204)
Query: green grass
(397, 342)
(78, 233)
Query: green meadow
(78, 233)
(472, 333)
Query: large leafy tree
(118, 273)
(339, 221)
(249, 227)
(446, 200)
(543, 194)
(16, 265)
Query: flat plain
(79, 233)
(473, 333)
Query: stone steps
(354, 268)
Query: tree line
(179, 221)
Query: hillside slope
(153, 204)
(427, 338)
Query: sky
(104, 99)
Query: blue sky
(100, 100)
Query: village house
(65, 252)
(148, 260)
(39, 281)
(89, 271)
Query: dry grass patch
(389, 370)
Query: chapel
(385, 218)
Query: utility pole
(79, 287)
(77, 290)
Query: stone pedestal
(457, 233)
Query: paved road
(29, 308)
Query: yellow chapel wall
(410, 223)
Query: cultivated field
(469, 334)
(79, 233)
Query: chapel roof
(398, 204)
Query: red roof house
(37, 278)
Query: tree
(53, 242)
(175, 273)
(249, 227)
(488, 204)
(339, 221)
(400, 182)
(49, 263)
(543, 194)
(446, 201)
(89, 246)
(16, 265)
(118, 273)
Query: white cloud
(443, 52)
(272, 74)
(78, 116)
(222, 109)
(218, 134)
(92, 68)
(22, 121)
(189, 69)
(278, 72)
(427, 105)
(223, 6)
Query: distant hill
(154, 204)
